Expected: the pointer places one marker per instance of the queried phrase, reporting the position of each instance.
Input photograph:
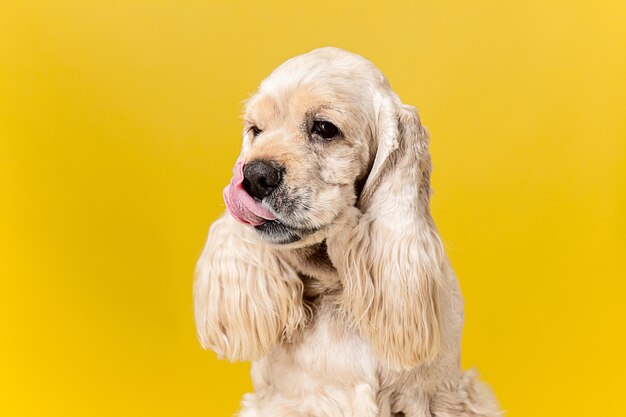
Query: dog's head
(323, 134)
(311, 135)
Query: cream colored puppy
(327, 271)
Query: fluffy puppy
(327, 271)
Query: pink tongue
(241, 205)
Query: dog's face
(308, 145)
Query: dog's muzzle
(247, 195)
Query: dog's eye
(255, 131)
(325, 129)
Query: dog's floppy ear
(394, 257)
(247, 298)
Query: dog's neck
(314, 263)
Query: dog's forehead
(323, 78)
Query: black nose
(260, 178)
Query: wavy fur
(392, 260)
(247, 298)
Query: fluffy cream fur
(362, 314)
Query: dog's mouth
(279, 232)
(275, 231)
(249, 211)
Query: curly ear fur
(246, 296)
(392, 264)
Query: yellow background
(119, 123)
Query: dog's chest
(328, 367)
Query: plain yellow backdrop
(119, 124)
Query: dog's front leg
(246, 296)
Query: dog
(327, 270)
